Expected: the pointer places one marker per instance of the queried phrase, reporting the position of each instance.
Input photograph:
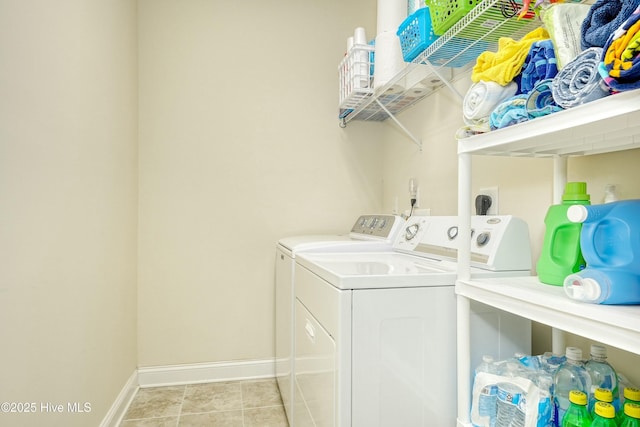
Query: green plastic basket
(445, 13)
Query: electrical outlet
(493, 193)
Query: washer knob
(452, 232)
(411, 231)
(483, 239)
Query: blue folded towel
(579, 81)
(511, 111)
(540, 64)
(540, 101)
(604, 17)
(620, 63)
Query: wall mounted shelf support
(446, 80)
(403, 127)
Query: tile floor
(249, 403)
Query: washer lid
(295, 243)
(330, 243)
(379, 270)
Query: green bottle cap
(576, 191)
(605, 410)
(577, 397)
(632, 410)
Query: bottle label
(512, 407)
(508, 397)
(487, 402)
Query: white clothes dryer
(375, 333)
(369, 233)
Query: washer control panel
(376, 227)
(496, 242)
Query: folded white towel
(483, 97)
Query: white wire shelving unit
(457, 48)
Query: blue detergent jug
(610, 244)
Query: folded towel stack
(604, 17)
(540, 65)
(502, 66)
(579, 81)
(520, 108)
(493, 102)
(620, 65)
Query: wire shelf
(356, 79)
(482, 26)
(458, 47)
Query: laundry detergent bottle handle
(561, 254)
(610, 244)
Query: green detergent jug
(561, 255)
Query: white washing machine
(369, 233)
(375, 333)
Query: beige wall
(239, 146)
(68, 179)
(525, 185)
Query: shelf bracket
(404, 129)
(444, 80)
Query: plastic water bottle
(529, 362)
(602, 375)
(561, 254)
(600, 395)
(605, 415)
(550, 362)
(610, 244)
(545, 404)
(631, 395)
(511, 399)
(487, 400)
(577, 414)
(631, 416)
(571, 375)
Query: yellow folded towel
(502, 66)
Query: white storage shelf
(606, 125)
(602, 126)
(618, 326)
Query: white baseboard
(155, 376)
(121, 404)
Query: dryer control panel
(381, 227)
(499, 243)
